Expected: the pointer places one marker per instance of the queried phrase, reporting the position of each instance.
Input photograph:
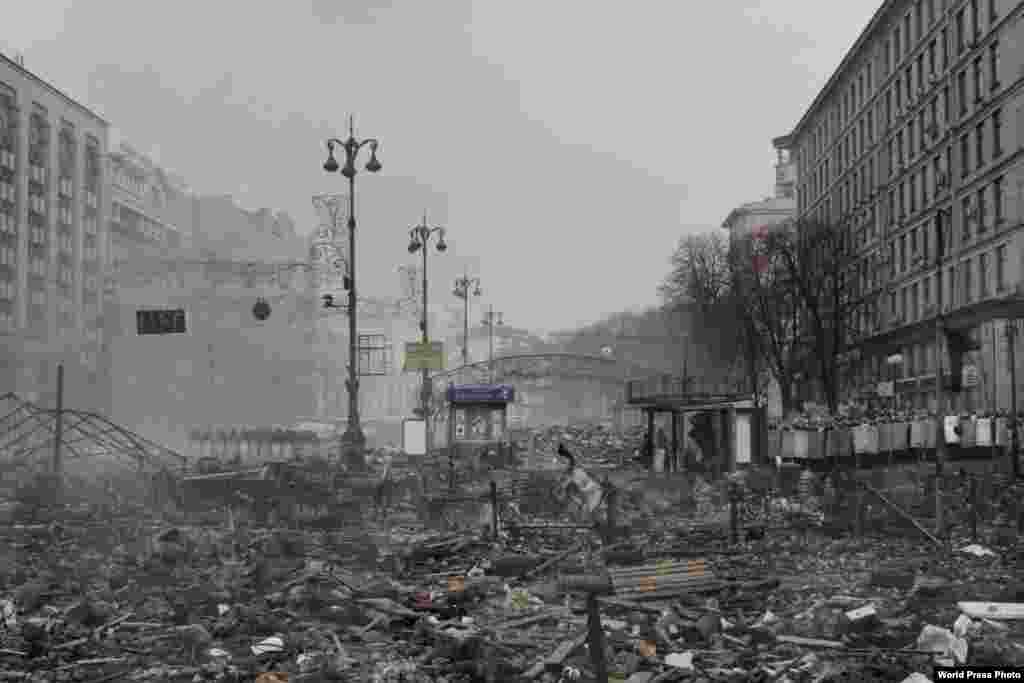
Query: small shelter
(738, 422)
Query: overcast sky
(566, 144)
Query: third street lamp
(353, 439)
(462, 285)
(490, 320)
(419, 239)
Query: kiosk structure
(478, 418)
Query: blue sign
(481, 393)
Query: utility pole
(1011, 338)
(940, 443)
(58, 436)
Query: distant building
(771, 211)
(54, 205)
(216, 260)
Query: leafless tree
(697, 297)
(768, 312)
(817, 262)
(699, 271)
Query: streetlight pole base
(353, 445)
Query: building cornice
(67, 98)
(860, 43)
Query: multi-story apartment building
(915, 147)
(53, 209)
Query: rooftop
(17, 66)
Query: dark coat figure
(647, 451)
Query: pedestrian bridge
(555, 387)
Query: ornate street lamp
(353, 440)
(419, 238)
(462, 291)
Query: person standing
(661, 450)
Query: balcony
(7, 159)
(64, 187)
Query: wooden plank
(993, 610)
(810, 642)
(565, 649)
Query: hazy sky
(566, 144)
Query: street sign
(481, 393)
(424, 356)
(170, 321)
(970, 376)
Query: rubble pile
(384, 597)
(597, 445)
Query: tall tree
(819, 262)
(699, 271)
(697, 300)
(768, 310)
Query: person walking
(382, 498)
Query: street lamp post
(462, 285)
(353, 439)
(419, 238)
(490, 320)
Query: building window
(980, 207)
(1001, 268)
(983, 275)
(926, 296)
(904, 313)
(975, 21)
(997, 133)
(961, 91)
(993, 12)
(997, 201)
(965, 156)
(979, 146)
(903, 253)
(993, 66)
(914, 302)
(968, 284)
(960, 34)
(979, 85)
(965, 219)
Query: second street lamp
(419, 239)
(462, 285)
(353, 439)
